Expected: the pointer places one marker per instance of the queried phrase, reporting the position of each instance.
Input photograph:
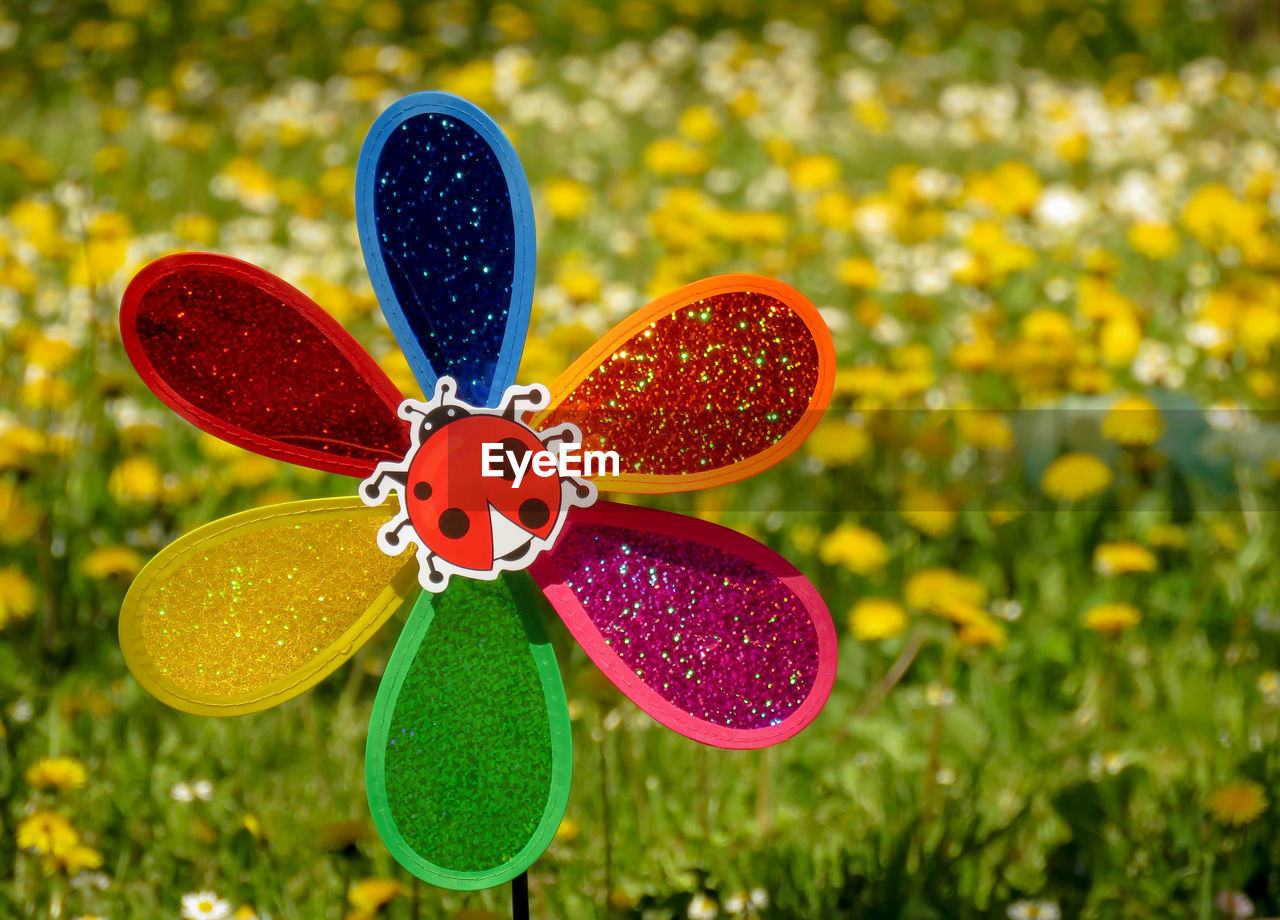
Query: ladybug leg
(429, 576)
(375, 489)
(392, 535)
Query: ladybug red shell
(466, 518)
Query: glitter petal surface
(251, 610)
(469, 754)
(708, 385)
(706, 630)
(240, 353)
(446, 224)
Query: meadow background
(1041, 509)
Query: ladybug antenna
(519, 400)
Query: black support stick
(520, 897)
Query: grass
(946, 777)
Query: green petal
(469, 754)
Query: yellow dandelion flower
(136, 481)
(1010, 188)
(816, 171)
(48, 833)
(568, 830)
(877, 618)
(111, 561)
(958, 611)
(983, 630)
(1112, 619)
(1111, 559)
(671, 156)
(835, 208)
(838, 443)
(18, 595)
(932, 590)
(858, 272)
(369, 894)
(1154, 240)
(579, 281)
(699, 123)
(18, 521)
(1074, 477)
(45, 391)
(1119, 339)
(1133, 421)
(1017, 187)
(929, 512)
(856, 548)
(567, 199)
(250, 470)
(20, 446)
(50, 354)
(1238, 803)
(57, 773)
(984, 430)
(37, 222)
(78, 858)
(196, 227)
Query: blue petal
(446, 224)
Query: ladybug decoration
(469, 752)
(471, 497)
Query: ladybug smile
(480, 492)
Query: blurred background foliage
(1042, 507)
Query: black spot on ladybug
(454, 523)
(422, 490)
(534, 513)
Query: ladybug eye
(454, 523)
(534, 513)
(422, 491)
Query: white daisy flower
(1034, 910)
(205, 905)
(703, 908)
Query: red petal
(251, 359)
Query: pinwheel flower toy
(495, 486)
